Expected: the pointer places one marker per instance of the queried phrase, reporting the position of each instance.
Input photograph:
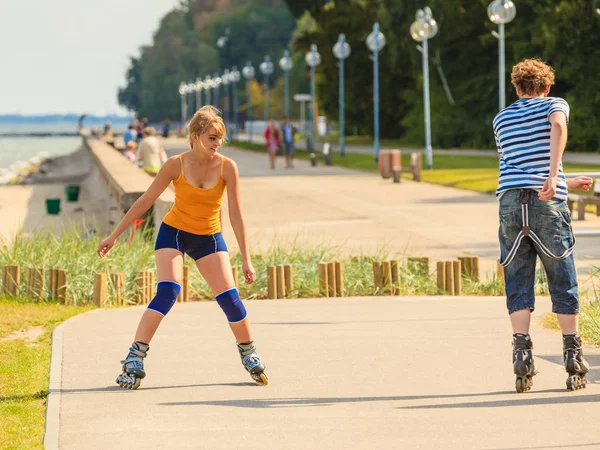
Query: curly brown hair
(532, 76)
(205, 117)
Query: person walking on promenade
(129, 135)
(288, 132)
(151, 152)
(531, 135)
(193, 226)
(272, 142)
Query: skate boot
(575, 364)
(252, 363)
(523, 362)
(133, 366)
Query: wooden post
(470, 267)
(149, 289)
(118, 281)
(441, 275)
(61, 285)
(377, 275)
(500, 272)
(272, 281)
(280, 281)
(289, 278)
(234, 273)
(185, 287)
(339, 279)
(11, 279)
(100, 290)
(457, 277)
(139, 284)
(36, 283)
(475, 268)
(449, 277)
(331, 290)
(53, 283)
(387, 277)
(395, 266)
(323, 282)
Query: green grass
(24, 369)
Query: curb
(52, 424)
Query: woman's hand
(249, 272)
(105, 246)
(580, 183)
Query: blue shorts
(196, 246)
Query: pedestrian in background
(151, 152)
(288, 132)
(272, 142)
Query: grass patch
(24, 368)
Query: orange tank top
(196, 210)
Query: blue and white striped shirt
(522, 133)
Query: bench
(390, 165)
(416, 165)
(584, 200)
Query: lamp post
(182, 94)
(216, 84)
(191, 88)
(248, 72)
(266, 68)
(313, 59)
(235, 78)
(225, 82)
(423, 29)
(198, 87)
(341, 50)
(222, 44)
(207, 88)
(501, 12)
(286, 65)
(375, 42)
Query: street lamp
(222, 44)
(501, 12)
(266, 68)
(313, 59)
(423, 29)
(375, 42)
(248, 72)
(198, 87)
(182, 94)
(225, 81)
(235, 78)
(286, 65)
(341, 50)
(191, 88)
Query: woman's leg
(216, 270)
(169, 267)
(272, 158)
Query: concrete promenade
(352, 373)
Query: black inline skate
(133, 366)
(523, 365)
(252, 363)
(575, 364)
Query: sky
(71, 56)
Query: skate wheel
(519, 385)
(261, 379)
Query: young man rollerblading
(531, 135)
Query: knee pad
(232, 305)
(166, 294)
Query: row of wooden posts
(53, 283)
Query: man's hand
(580, 183)
(549, 189)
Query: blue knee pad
(232, 305)
(166, 294)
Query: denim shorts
(289, 148)
(551, 222)
(196, 246)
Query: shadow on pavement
(522, 400)
(118, 389)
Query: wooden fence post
(234, 273)
(331, 290)
(280, 281)
(61, 285)
(323, 282)
(185, 287)
(289, 278)
(377, 275)
(36, 283)
(100, 288)
(441, 275)
(272, 281)
(457, 277)
(339, 279)
(11, 279)
(395, 267)
(449, 277)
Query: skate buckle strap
(526, 231)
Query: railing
(585, 233)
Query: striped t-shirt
(522, 133)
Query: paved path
(353, 373)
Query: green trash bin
(72, 192)
(53, 206)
